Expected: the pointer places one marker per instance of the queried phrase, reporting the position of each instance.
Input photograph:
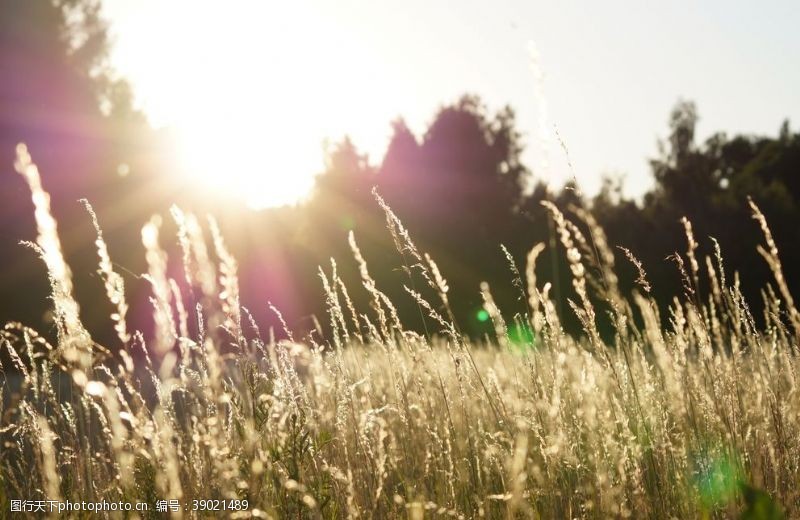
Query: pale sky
(291, 74)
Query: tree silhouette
(458, 188)
(60, 96)
(465, 173)
(710, 183)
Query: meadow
(691, 415)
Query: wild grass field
(698, 419)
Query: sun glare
(237, 155)
(251, 99)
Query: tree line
(460, 188)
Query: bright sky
(291, 74)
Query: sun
(251, 98)
(240, 156)
(245, 114)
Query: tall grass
(701, 419)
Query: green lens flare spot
(482, 315)
(521, 335)
(716, 479)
